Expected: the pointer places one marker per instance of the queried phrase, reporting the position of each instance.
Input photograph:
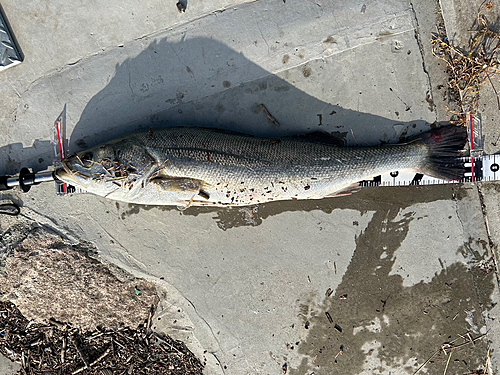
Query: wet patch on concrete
(242, 216)
(134, 209)
(368, 199)
(372, 324)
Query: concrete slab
(56, 35)
(248, 285)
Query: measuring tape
(478, 166)
(485, 168)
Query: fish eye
(87, 159)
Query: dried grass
(469, 68)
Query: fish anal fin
(353, 188)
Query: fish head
(104, 169)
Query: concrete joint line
(421, 50)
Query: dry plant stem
(118, 351)
(447, 363)
(469, 70)
(451, 347)
(270, 117)
(488, 361)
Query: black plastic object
(11, 209)
(3, 183)
(26, 179)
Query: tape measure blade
(406, 178)
(491, 167)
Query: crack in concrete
(262, 35)
(218, 361)
(213, 334)
(124, 253)
(13, 88)
(188, 69)
(491, 243)
(421, 50)
(49, 224)
(456, 212)
(130, 82)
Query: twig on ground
(469, 68)
(451, 346)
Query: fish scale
(194, 166)
(276, 157)
(286, 160)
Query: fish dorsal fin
(321, 137)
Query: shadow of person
(202, 82)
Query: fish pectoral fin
(353, 188)
(181, 185)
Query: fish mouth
(67, 175)
(64, 176)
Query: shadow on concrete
(201, 82)
(38, 157)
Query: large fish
(194, 166)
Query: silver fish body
(194, 166)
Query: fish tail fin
(444, 158)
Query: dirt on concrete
(47, 277)
(65, 312)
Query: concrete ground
(409, 269)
